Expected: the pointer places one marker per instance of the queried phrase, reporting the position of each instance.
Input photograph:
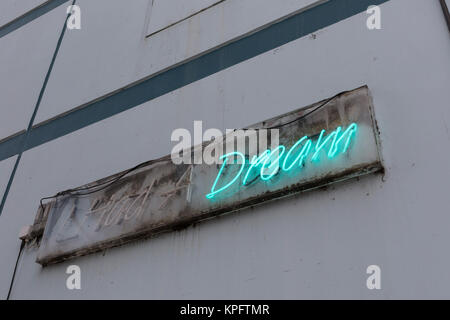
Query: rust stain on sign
(160, 196)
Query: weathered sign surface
(329, 141)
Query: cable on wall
(30, 125)
(446, 13)
(22, 246)
(33, 116)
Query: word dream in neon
(270, 162)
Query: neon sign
(270, 162)
(277, 160)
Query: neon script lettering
(270, 162)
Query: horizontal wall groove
(238, 50)
(30, 16)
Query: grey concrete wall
(113, 49)
(25, 56)
(12, 9)
(315, 245)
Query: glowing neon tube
(270, 160)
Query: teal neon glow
(256, 161)
(351, 130)
(273, 163)
(321, 145)
(301, 156)
(264, 161)
(226, 156)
